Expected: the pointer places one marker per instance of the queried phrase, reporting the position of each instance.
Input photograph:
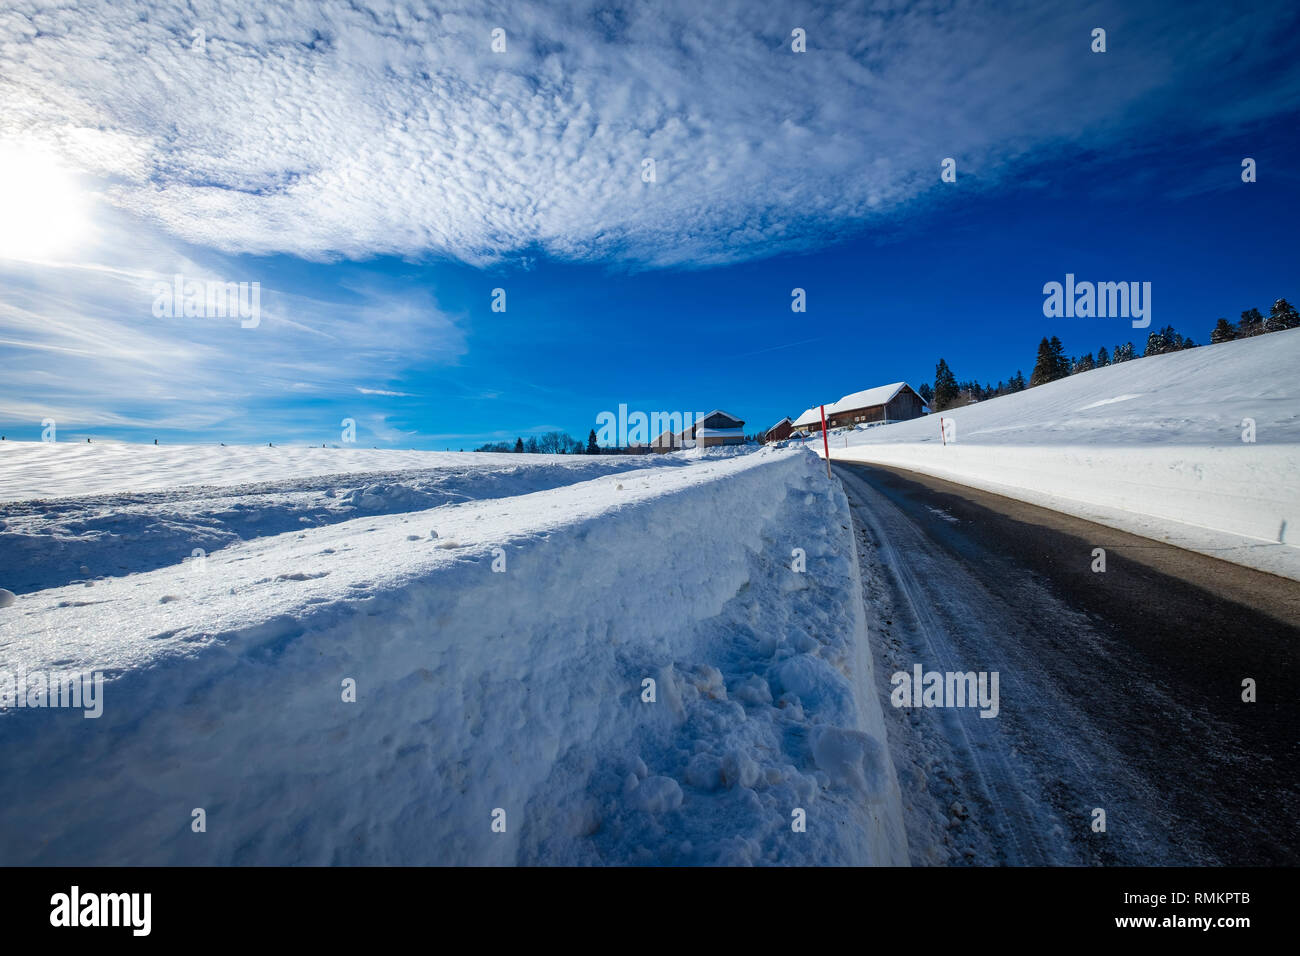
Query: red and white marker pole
(942, 434)
(826, 445)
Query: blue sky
(380, 175)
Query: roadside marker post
(942, 434)
(826, 445)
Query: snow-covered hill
(1200, 448)
(500, 649)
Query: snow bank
(1153, 446)
(513, 695)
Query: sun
(43, 205)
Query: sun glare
(43, 206)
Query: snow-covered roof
(779, 424)
(718, 411)
(879, 395)
(811, 417)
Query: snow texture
(143, 507)
(1152, 446)
(518, 690)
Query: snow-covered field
(499, 616)
(99, 510)
(503, 618)
(1153, 446)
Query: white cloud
(326, 129)
(379, 428)
(80, 343)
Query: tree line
(560, 443)
(1280, 318)
(552, 443)
(1051, 362)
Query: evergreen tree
(1085, 364)
(1018, 384)
(1223, 332)
(1252, 323)
(945, 387)
(1122, 353)
(1166, 340)
(1281, 317)
(519, 446)
(1103, 357)
(926, 393)
(1060, 361)
(1044, 368)
(592, 447)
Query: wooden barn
(883, 404)
(779, 432)
(715, 428)
(810, 421)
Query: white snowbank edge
(1238, 504)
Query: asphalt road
(1119, 690)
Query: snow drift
(512, 695)
(1199, 448)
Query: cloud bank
(331, 129)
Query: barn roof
(718, 411)
(867, 398)
(880, 395)
(811, 417)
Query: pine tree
(1166, 340)
(1103, 357)
(1085, 364)
(1252, 323)
(1044, 366)
(592, 447)
(926, 393)
(945, 387)
(1223, 332)
(1018, 384)
(1281, 317)
(1122, 353)
(1177, 342)
(1060, 361)
(519, 446)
